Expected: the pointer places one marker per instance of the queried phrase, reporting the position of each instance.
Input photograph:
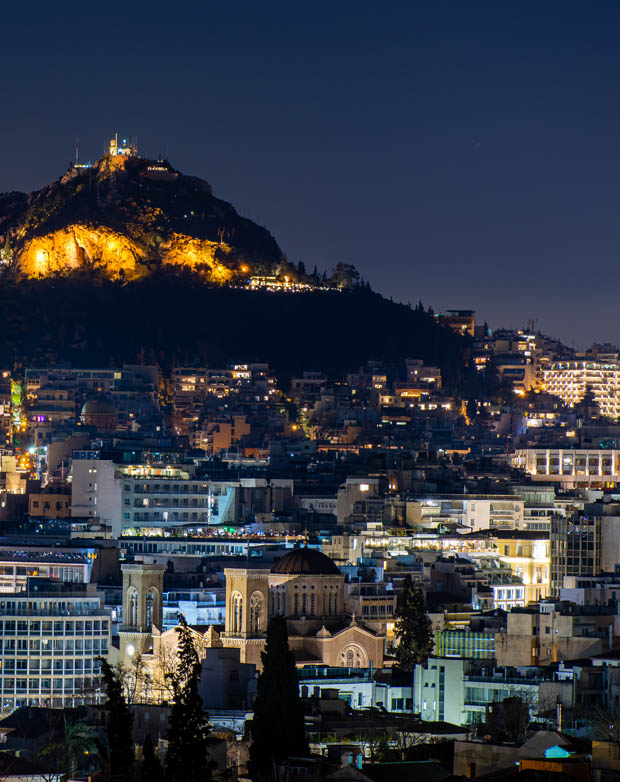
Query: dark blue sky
(464, 153)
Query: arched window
(256, 612)
(312, 604)
(150, 603)
(296, 604)
(236, 612)
(303, 604)
(132, 604)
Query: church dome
(305, 562)
(99, 412)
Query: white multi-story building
(51, 635)
(96, 492)
(17, 564)
(137, 498)
(357, 687)
(570, 380)
(473, 512)
(458, 691)
(570, 467)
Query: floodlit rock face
(200, 255)
(127, 216)
(78, 247)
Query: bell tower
(143, 587)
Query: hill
(174, 318)
(126, 216)
(130, 260)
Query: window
(150, 602)
(256, 612)
(237, 612)
(133, 607)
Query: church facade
(307, 589)
(304, 586)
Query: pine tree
(151, 770)
(187, 759)
(413, 628)
(119, 751)
(277, 729)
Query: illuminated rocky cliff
(126, 216)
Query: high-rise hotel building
(570, 380)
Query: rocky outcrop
(127, 216)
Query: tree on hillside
(277, 729)
(413, 628)
(345, 274)
(119, 753)
(187, 759)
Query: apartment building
(460, 691)
(553, 631)
(96, 491)
(471, 512)
(528, 555)
(51, 503)
(360, 688)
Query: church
(304, 586)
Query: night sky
(464, 153)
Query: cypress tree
(151, 767)
(119, 750)
(187, 759)
(413, 628)
(277, 729)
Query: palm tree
(78, 740)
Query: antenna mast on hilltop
(77, 151)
